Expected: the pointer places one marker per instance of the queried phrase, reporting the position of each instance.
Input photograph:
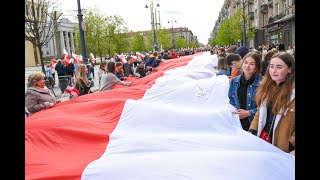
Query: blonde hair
(82, 74)
(34, 78)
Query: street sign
(155, 44)
(83, 26)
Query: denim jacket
(223, 72)
(251, 92)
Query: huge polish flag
(175, 123)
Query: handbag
(265, 136)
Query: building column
(61, 44)
(67, 42)
(72, 42)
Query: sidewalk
(56, 89)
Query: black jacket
(61, 69)
(127, 69)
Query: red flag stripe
(62, 141)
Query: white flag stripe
(186, 130)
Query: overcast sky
(199, 16)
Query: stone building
(64, 39)
(273, 20)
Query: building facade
(272, 20)
(63, 40)
(54, 49)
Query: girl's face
(278, 70)
(249, 66)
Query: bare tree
(39, 28)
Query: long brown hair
(271, 92)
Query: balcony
(290, 10)
(270, 19)
(251, 15)
(250, 1)
(279, 16)
(264, 8)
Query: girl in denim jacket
(243, 89)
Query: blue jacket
(223, 72)
(251, 93)
(150, 61)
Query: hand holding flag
(72, 91)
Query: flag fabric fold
(175, 123)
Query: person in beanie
(242, 51)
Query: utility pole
(82, 28)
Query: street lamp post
(153, 24)
(173, 39)
(244, 24)
(82, 28)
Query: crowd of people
(262, 86)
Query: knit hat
(242, 51)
